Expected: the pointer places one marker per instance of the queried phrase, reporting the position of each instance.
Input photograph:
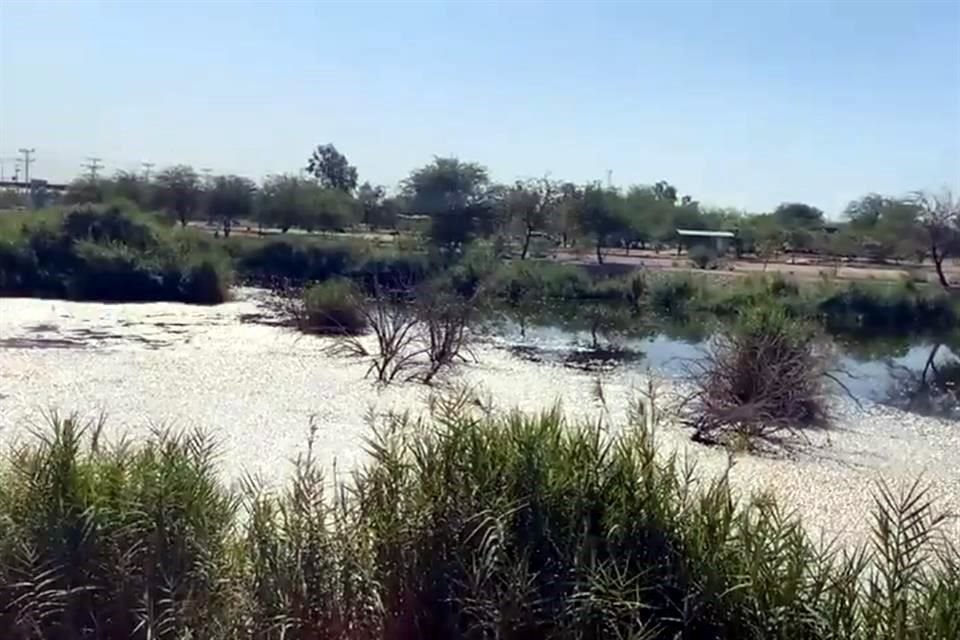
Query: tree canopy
(455, 194)
(331, 169)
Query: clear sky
(743, 104)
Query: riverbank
(256, 388)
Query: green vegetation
(333, 307)
(452, 203)
(263, 260)
(116, 253)
(110, 254)
(460, 527)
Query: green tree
(331, 169)
(456, 195)
(600, 216)
(568, 203)
(283, 202)
(85, 191)
(376, 209)
(663, 190)
(329, 209)
(531, 206)
(645, 214)
(798, 215)
(230, 198)
(178, 191)
(768, 238)
(865, 213)
(130, 186)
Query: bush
(97, 253)
(264, 261)
(764, 375)
(887, 309)
(207, 282)
(333, 307)
(520, 280)
(702, 257)
(519, 527)
(755, 291)
(672, 294)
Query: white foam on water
(256, 388)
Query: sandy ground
(256, 388)
(803, 267)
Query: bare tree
(940, 217)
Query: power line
(26, 161)
(93, 165)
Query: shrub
(115, 272)
(207, 282)
(702, 257)
(96, 253)
(334, 307)
(765, 374)
(887, 308)
(672, 294)
(263, 261)
(754, 291)
(519, 280)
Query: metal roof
(705, 234)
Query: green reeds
(465, 525)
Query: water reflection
(917, 373)
(932, 390)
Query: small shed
(719, 241)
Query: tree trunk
(526, 244)
(599, 253)
(938, 263)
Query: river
(257, 387)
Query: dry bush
(444, 333)
(390, 314)
(767, 375)
(418, 334)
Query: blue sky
(742, 104)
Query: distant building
(719, 241)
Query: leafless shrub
(766, 376)
(286, 302)
(417, 335)
(444, 334)
(391, 316)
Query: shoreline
(255, 389)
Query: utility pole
(26, 161)
(146, 170)
(93, 165)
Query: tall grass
(461, 526)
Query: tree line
(457, 202)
